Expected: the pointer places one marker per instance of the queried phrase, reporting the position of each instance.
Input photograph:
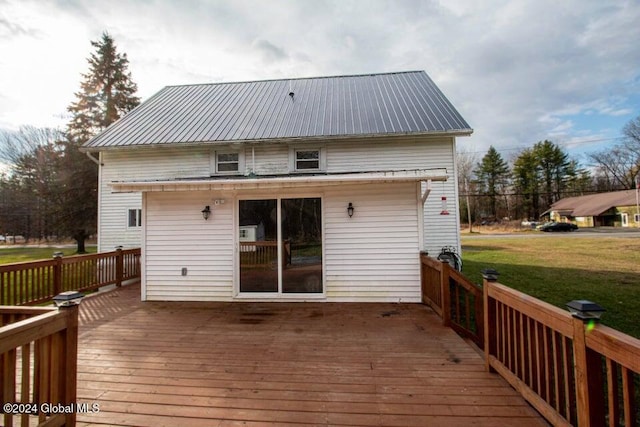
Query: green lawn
(10, 254)
(559, 268)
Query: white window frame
(293, 159)
(138, 218)
(214, 162)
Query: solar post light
(585, 310)
(68, 299)
(490, 275)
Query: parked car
(557, 226)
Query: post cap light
(206, 212)
(490, 275)
(68, 299)
(350, 209)
(585, 310)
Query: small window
(244, 233)
(307, 160)
(636, 218)
(227, 162)
(135, 218)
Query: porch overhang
(279, 181)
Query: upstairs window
(134, 218)
(227, 162)
(307, 160)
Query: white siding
(178, 237)
(270, 159)
(372, 256)
(143, 164)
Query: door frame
(276, 296)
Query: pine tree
(554, 167)
(107, 92)
(492, 174)
(526, 181)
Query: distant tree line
(50, 189)
(494, 189)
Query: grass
(9, 255)
(558, 269)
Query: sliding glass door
(285, 256)
(258, 245)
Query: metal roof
(594, 204)
(322, 107)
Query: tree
(553, 163)
(619, 165)
(492, 176)
(29, 187)
(526, 182)
(107, 92)
(465, 162)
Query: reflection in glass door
(302, 245)
(299, 247)
(258, 245)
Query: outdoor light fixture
(585, 310)
(490, 275)
(350, 209)
(68, 299)
(206, 212)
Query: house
(617, 209)
(346, 177)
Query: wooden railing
(38, 364)
(454, 297)
(35, 282)
(263, 253)
(573, 373)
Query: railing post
(445, 292)
(71, 362)
(588, 377)
(489, 276)
(57, 273)
(119, 266)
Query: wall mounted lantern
(350, 209)
(585, 310)
(206, 212)
(68, 299)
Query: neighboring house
(614, 209)
(341, 180)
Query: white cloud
(518, 71)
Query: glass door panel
(301, 245)
(258, 245)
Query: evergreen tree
(554, 164)
(107, 92)
(492, 176)
(526, 181)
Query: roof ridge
(299, 78)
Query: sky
(518, 71)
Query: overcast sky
(518, 71)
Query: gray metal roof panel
(342, 106)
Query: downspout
(93, 159)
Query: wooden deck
(232, 364)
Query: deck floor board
(255, 364)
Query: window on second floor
(227, 162)
(306, 159)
